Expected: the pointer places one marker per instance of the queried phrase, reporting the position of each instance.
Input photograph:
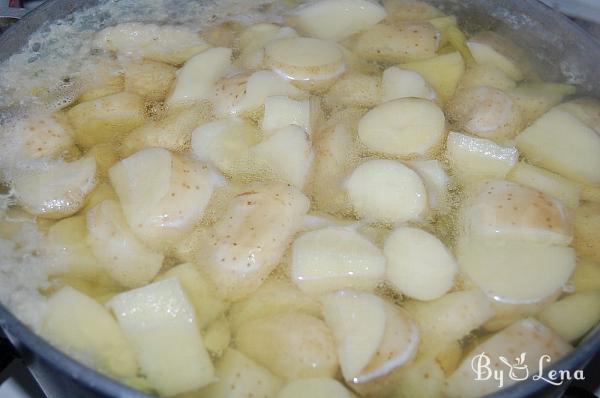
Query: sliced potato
(478, 75)
(587, 231)
(527, 336)
(105, 119)
(502, 209)
(241, 377)
(160, 322)
(486, 112)
(317, 387)
(117, 249)
(573, 316)
(149, 79)
(253, 39)
(410, 10)
(575, 155)
(407, 127)
(55, 189)
(436, 181)
(85, 330)
(474, 159)
(196, 79)
(334, 258)
(486, 49)
(42, 137)
(547, 182)
(387, 191)
(282, 111)
(419, 265)
(170, 44)
(309, 63)
(354, 89)
(406, 42)
(442, 72)
(337, 19)
(163, 195)
(305, 345)
(404, 83)
(535, 99)
(586, 277)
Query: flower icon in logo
(518, 369)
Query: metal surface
(561, 49)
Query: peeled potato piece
(502, 209)
(117, 249)
(423, 378)
(335, 258)
(586, 109)
(246, 244)
(474, 159)
(573, 316)
(55, 189)
(486, 49)
(410, 10)
(40, 137)
(309, 63)
(241, 377)
(507, 314)
(101, 76)
(442, 72)
(149, 79)
(305, 345)
(170, 44)
(281, 111)
(575, 155)
(217, 336)
(337, 19)
(535, 99)
(525, 336)
(160, 322)
(196, 79)
(419, 265)
(387, 191)
(436, 181)
(492, 265)
(478, 75)
(85, 330)
(547, 182)
(403, 83)
(587, 231)
(317, 387)
(486, 112)
(586, 277)
(253, 39)
(407, 127)
(163, 195)
(354, 89)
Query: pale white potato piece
(410, 10)
(485, 54)
(586, 277)
(407, 127)
(170, 44)
(406, 42)
(286, 156)
(160, 322)
(217, 336)
(404, 83)
(241, 377)
(419, 265)
(423, 378)
(575, 155)
(317, 387)
(573, 316)
(492, 264)
(247, 243)
(535, 99)
(85, 330)
(337, 19)
(486, 112)
(587, 231)
(117, 249)
(199, 290)
(245, 94)
(282, 111)
(305, 345)
(100, 77)
(525, 336)
(275, 296)
(503, 209)
(387, 191)
(442, 72)
(196, 79)
(354, 89)
(478, 75)
(335, 258)
(358, 322)
(586, 109)
(40, 137)
(474, 159)
(162, 194)
(54, 189)
(309, 63)
(507, 314)
(436, 180)
(547, 182)
(253, 39)
(149, 79)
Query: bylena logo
(519, 370)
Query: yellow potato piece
(573, 316)
(442, 72)
(149, 79)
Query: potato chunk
(317, 387)
(281, 111)
(160, 322)
(387, 191)
(535, 99)
(587, 231)
(354, 89)
(253, 39)
(478, 75)
(117, 249)
(163, 195)
(85, 330)
(586, 277)
(105, 119)
(337, 19)
(442, 72)
(55, 189)
(42, 137)
(490, 49)
(305, 345)
(436, 180)
(149, 79)
(335, 258)
(419, 265)
(573, 316)
(403, 83)
(410, 10)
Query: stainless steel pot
(561, 50)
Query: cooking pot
(561, 50)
